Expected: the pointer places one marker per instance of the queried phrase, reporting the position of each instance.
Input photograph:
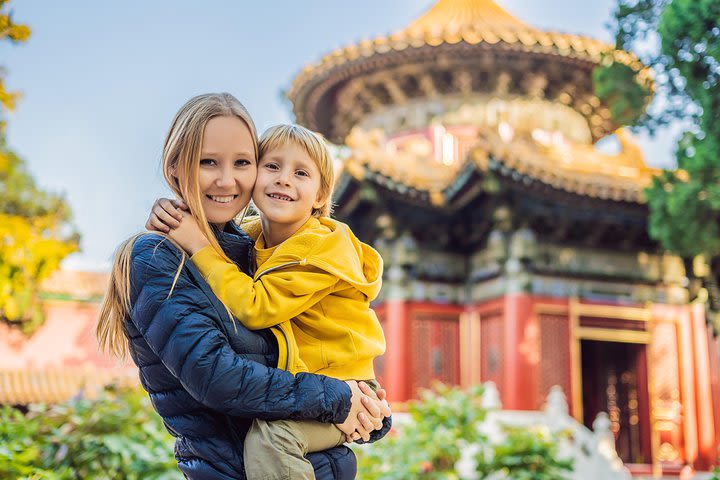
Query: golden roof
(473, 22)
(21, 387)
(564, 165)
(463, 16)
(575, 168)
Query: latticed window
(555, 355)
(435, 347)
(492, 340)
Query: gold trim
(578, 333)
(654, 430)
(609, 311)
(470, 355)
(612, 335)
(575, 361)
(550, 309)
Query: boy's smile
(286, 191)
(280, 196)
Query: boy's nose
(283, 178)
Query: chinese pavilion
(515, 250)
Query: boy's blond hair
(316, 148)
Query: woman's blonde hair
(317, 150)
(181, 160)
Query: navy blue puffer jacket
(208, 376)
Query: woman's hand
(367, 411)
(354, 421)
(165, 215)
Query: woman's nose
(225, 179)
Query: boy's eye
(271, 166)
(302, 173)
(207, 161)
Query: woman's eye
(242, 163)
(207, 161)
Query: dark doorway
(615, 380)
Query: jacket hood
(329, 245)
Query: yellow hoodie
(315, 289)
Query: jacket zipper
(287, 348)
(278, 267)
(272, 269)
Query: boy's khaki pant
(275, 450)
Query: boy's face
(288, 186)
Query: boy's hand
(188, 235)
(377, 407)
(165, 215)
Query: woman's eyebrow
(238, 154)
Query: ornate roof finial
(464, 15)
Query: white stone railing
(593, 452)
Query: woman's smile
(222, 198)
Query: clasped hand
(367, 411)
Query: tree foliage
(15, 33)
(35, 230)
(116, 437)
(680, 41)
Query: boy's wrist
(198, 245)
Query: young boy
(313, 284)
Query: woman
(206, 374)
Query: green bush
(443, 424)
(116, 437)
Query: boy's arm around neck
(275, 297)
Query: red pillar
(521, 354)
(397, 361)
(687, 385)
(714, 349)
(706, 423)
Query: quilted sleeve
(185, 337)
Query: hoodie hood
(331, 246)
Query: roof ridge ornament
(463, 16)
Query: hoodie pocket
(313, 353)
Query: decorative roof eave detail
(518, 162)
(531, 42)
(359, 172)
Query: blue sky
(102, 80)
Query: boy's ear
(320, 201)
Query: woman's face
(227, 168)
